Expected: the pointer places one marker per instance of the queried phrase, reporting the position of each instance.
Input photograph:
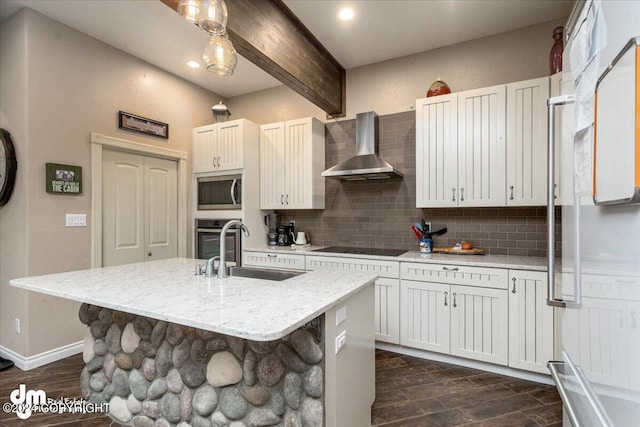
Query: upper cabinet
(483, 147)
(220, 147)
(460, 149)
(291, 161)
(527, 142)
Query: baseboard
(445, 358)
(32, 362)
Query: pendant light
(219, 56)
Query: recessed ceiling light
(346, 14)
(193, 64)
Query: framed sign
(64, 179)
(139, 124)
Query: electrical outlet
(17, 326)
(76, 220)
(341, 341)
(428, 224)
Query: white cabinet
(291, 161)
(458, 310)
(425, 315)
(460, 149)
(220, 147)
(437, 151)
(530, 321)
(527, 142)
(387, 289)
(271, 260)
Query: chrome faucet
(222, 265)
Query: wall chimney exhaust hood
(365, 164)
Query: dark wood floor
(410, 392)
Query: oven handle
(233, 192)
(216, 230)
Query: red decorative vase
(555, 56)
(438, 88)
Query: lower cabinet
(530, 321)
(464, 321)
(271, 260)
(387, 310)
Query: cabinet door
(527, 142)
(436, 151)
(228, 146)
(297, 164)
(271, 260)
(530, 321)
(481, 147)
(271, 162)
(387, 310)
(479, 324)
(203, 141)
(425, 315)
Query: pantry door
(139, 208)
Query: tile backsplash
(380, 213)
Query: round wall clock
(8, 166)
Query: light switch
(341, 341)
(341, 315)
(76, 220)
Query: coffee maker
(285, 235)
(273, 222)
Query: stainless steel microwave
(219, 192)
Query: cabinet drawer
(271, 260)
(390, 269)
(455, 274)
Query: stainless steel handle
(562, 368)
(551, 219)
(149, 254)
(453, 194)
(282, 199)
(514, 280)
(462, 194)
(445, 298)
(218, 161)
(555, 187)
(233, 191)
(511, 196)
(450, 269)
(272, 255)
(286, 199)
(454, 299)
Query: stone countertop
(494, 261)
(260, 310)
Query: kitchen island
(165, 345)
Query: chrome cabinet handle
(286, 199)
(453, 194)
(513, 291)
(445, 298)
(282, 199)
(272, 255)
(551, 219)
(511, 196)
(218, 161)
(462, 194)
(555, 187)
(450, 269)
(149, 254)
(454, 300)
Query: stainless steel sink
(263, 273)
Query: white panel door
(479, 324)
(271, 166)
(160, 208)
(481, 147)
(139, 218)
(436, 151)
(203, 145)
(298, 189)
(228, 146)
(387, 310)
(425, 315)
(527, 142)
(122, 208)
(530, 321)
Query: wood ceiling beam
(268, 34)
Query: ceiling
(380, 30)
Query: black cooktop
(361, 251)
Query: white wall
(59, 85)
(393, 86)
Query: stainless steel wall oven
(207, 240)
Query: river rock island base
(154, 373)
